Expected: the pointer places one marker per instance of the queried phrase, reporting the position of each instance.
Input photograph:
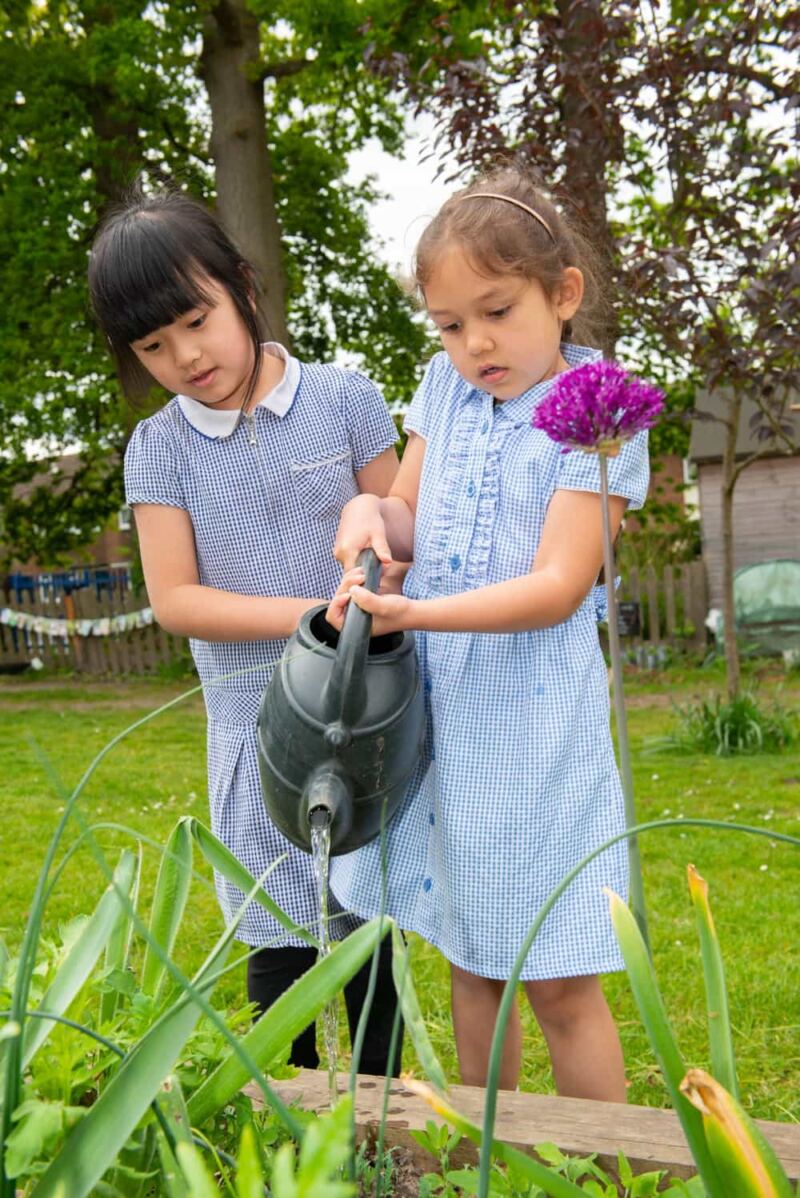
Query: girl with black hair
(237, 485)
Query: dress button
(455, 562)
(426, 885)
(485, 426)
(470, 488)
(432, 819)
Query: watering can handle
(345, 692)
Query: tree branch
(280, 70)
(740, 70)
(765, 452)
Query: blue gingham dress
(519, 779)
(264, 516)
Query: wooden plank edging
(649, 1137)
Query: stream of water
(320, 851)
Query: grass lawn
(50, 729)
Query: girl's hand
(336, 608)
(390, 613)
(393, 577)
(361, 527)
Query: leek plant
(128, 1121)
(651, 1008)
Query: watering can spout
(328, 801)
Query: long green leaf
(249, 1175)
(171, 1175)
(412, 1015)
(94, 1144)
(201, 1182)
(169, 903)
(82, 957)
(744, 1159)
(723, 1060)
(659, 1032)
(286, 1018)
(119, 944)
(173, 1111)
(224, 862)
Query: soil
(405, 1177)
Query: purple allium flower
(596, 407)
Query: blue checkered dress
(519, 779)
(264, 516)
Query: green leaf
(169, 902)
(553, 1184)
(116, 955)
(39, 1127)
(286, 1018)
(662, 1041)
(201, 1182)
(723, 1060)
(249, 1176)
(224, 862)
(173, 1109)
(171, 1175)
(93, 1146)
(325, 1149)
(82, 956)
(409, 1005)
(744, 1159)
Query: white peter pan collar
(214, 423)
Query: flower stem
(635, 882)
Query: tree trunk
(587, 144)
(245, 193)
(115, 122)
(732, 668)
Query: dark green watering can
(340, 727)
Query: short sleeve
(151, 469)
(370, 428)
(628, 472)
(418, 417)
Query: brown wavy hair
(501, 238)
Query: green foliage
(91, 94)
(726, 727)
(731, 1154)
(69, 1070)
(324, 1152)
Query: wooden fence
(656, 610)
(132, 651)
(664, 609)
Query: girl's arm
(386, 524)
(377, 476)
(186, 608)
(183, 606)
(565, 568)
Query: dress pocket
(325, 486)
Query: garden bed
(650, 1138)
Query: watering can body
(340, 728)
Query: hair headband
(495, 195)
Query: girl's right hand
(361, 527)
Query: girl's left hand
(390, 613)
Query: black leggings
(270, 971)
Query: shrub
(742, 725)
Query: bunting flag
(98, 626)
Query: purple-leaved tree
(671, 132)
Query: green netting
(766, 599)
